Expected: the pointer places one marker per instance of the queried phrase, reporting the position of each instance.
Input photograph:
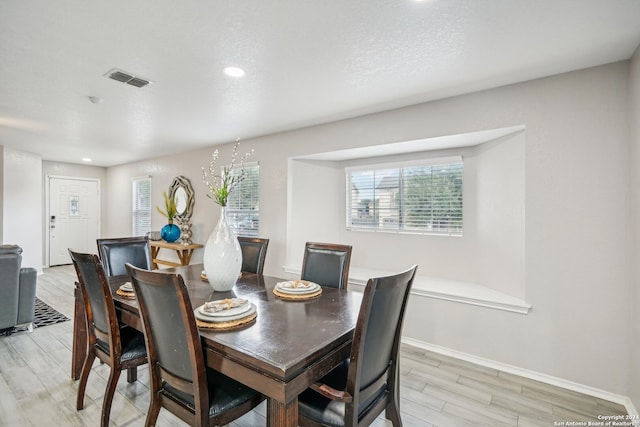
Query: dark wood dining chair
(326, 264)
(180, 381)
(254, 253)
(360, 388)
(115, 252)
(119, 347)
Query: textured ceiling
(306, 63)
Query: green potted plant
(169, 232)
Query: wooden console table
(184, 252)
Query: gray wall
(634, 122)
(577, 263)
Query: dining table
(290, 345)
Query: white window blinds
(243, 207)
(141, 215)
(420, 198)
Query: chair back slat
(168, 332)
(115, 253)
(326, 264)
(93, 283)
(378, 342)
(254, 253)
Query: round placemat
(297, 297)
(125, 294)
(221, 326)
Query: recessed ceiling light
(234, 71)
(86, 159)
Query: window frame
(242, 227)
(135, 205)
(401, 227)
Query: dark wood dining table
(289, 346)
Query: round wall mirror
(182, 191)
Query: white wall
(314, 213)
(577, 265)
(22, 204)
(499, 246)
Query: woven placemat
(125, 294)
(221, 326)
(292, 297)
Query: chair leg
(392, 413)
(132, 375)
(154, 410)
(86, 370)
(114, 374)
(30, 327)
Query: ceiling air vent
(126, 77)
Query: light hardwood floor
(36, 388)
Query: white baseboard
(537, 376)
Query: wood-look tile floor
(436, 390)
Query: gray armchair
(17, 290)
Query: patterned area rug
(44, 315)
(47, 315)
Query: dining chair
(365, 384)
(254, 253)
(115, 252)
(326, 264)
(180, 381)
(120, 347)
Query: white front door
(74, 206)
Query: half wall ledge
(443, 289)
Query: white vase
(222, 256)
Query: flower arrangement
(221, 184)
(169, 207)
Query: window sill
(443, 289)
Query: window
(418, 198)
(141, 215)
(74, 206)
(243, 207)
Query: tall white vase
(222, 256)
